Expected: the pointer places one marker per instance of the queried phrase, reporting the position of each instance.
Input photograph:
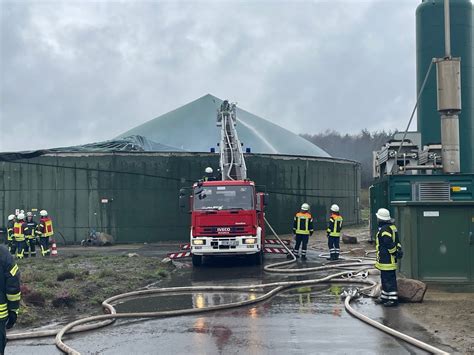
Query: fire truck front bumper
(225, 246)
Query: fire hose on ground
(353, 276)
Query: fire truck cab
(227, 218)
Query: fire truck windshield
(223, 198)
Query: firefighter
(30, 235)
(303, 229)
(11, 223)
(45, 232)
(334, 232)
(209, 174)
(9, 294)
(388, 250)
(19, 230)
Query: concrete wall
(141, 190)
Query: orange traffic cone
(54, 249)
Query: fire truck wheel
(259, 258)
(197, 260)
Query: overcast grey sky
(74, 72)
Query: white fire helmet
(43, 213)
(21, 216)
(29, 214)
(383, 214)
(335, 208)
(209, 170)
(11, 217)
(305, 207)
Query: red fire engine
(227, 215)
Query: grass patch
(66, 287)
(162, 273)
(106, 273)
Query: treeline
(357, 147)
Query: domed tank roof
(192, 127)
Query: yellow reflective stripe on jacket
(14, 297)
(10, 233)
(18, 232)
(3, 310)
(14, 270)
(305, 229)
(386, 267)
(392, 235)
(305, 218)
(337, 226)
(393, 263)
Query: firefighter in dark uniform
(334, 232)
(10, 225)
(19, 229)
(388, 250)
(30, 235)
(9, 294)
(45, 232)
(303, 229)
(209, 176)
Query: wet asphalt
(310, 320)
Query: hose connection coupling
(362, 274)
(359, 275)
(352, 292)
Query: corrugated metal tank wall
(320, 182)
(429, 45)
(141, 190)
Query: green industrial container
(429, 45)
(438, 240)
(401, 188)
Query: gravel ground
(449, 315)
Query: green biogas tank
(430, 44)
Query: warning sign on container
(430, 213)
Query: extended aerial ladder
(228, 216)
(232, 161)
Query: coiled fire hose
(357, 276)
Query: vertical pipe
(450, 143)
(447, 30)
